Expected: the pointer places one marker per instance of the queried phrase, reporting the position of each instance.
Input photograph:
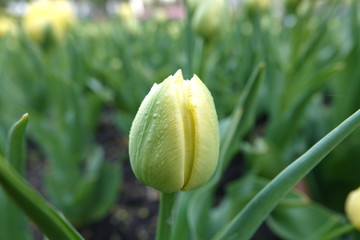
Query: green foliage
(65, 104)
(281, 79)
(15, 156)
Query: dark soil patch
(133, 217)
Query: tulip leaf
(243, 112)
(106, 191)
(15, 152)
(239, 193)
(10, 215)
(251, 217)
(49, 220)
(96, 189)
(308, 221)
(84, 189)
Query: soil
(133, 217)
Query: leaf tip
(25, 116)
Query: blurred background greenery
(81, 67)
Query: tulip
(352, 207)
(192, 4)
(174, 138)
(209, 18)
(262, 5)
(7, 26)
(125, 11)
(44, 15)
(255, 7)
(128, 17)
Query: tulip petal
(157, 158)
(206, 134)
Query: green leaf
(106, 191)
(94, 192)
(304, 222)
(49, 220)
(243, 226)
(239, 193)
(10, 216)
(15, 152)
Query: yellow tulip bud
(174, 138)
(125, 11)
(192, 4)
(7, 26)
(254, 7)
(209, 18)
(44, 15)
(129, 19)
(257, 4)
(352, 207)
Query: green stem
(163, 230)
(244, 225)
(46, 217)
(189, 41)
(204, 55)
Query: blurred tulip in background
(7, 26)
(44, 17)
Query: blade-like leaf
(49, 220)
(10, 216)
(243, 226)
(15, 151)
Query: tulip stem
(163, 230)
(189, 41)
(204, 55)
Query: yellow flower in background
(46, 15)
(209, 18)
(7, 26)
(174, 29)
(174, 138)
(264, 4)
(253, 6)
(160, 15)
(125, 11)
(352, 207)
(128, 17)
